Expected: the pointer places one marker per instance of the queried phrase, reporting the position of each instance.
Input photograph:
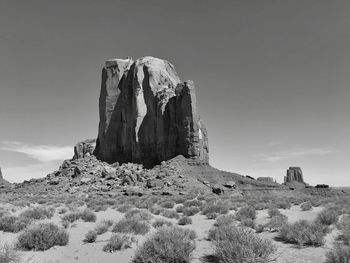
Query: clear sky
(272, 78)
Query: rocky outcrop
(84, 149)
(294, 174)
(147, 115)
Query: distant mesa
(147, 115)
(265, 179)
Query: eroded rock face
(84, 149)
(294, 174)
(147, 115)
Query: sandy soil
(78, 252)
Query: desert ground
(77, 215)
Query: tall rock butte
(147, 115)
(294, 174)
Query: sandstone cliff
(147, 115)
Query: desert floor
(77, 251)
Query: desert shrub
(315, 202)
(247, 222)
(138, 214)
(118, 242)
(167, 245)
(344, 228)
(124, 208)
(167, 204)
(236, 245)
(88, 216)
(144, 204)
(276, 223)
(259, 228)
(297, 200)
(184, 221)
(21, 203)
(179, 199)
(225, 220)
(180, 208)
(62, 210)
(303, 233)
(306, 206)
(3, 213)
(8, 254)
(14, 224)
(283, 204)
(71, 217)
(37, 213)
(194, 202)
(327, 217)
(90, 237)
(156, 210)
(42, 237)
(161, 222)
(201, 197)
(131, 226)
(212, 215)
(65, 224)
(246, 212)
(103, 226)
(273, 211)
(170, 214)
(339, 254)
(190, 211)
(261, 205)
(215, 208)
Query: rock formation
(265, 179)
(294, 174)
(147, 115)
(84, 149)
(3, 182)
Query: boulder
(109, 172)
(230, 184)
(150, 183)
(84, 149)
(217, 189)
(77, 172)
(85, 180)
(147, 115)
